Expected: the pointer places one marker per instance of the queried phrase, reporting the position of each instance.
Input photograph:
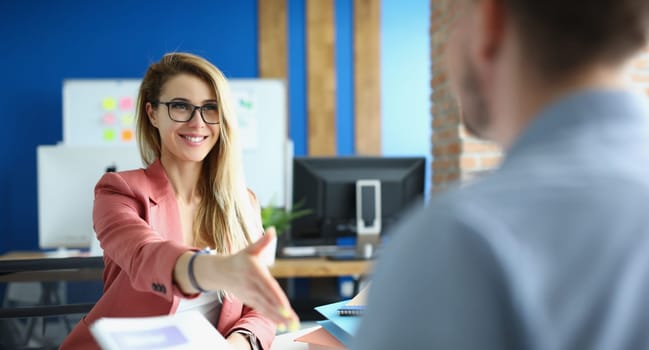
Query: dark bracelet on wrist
(190, 272)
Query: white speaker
(368, 217)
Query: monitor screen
(327, 186)
(66, 180)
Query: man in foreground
(551, 251)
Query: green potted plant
(280, 218)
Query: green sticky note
(245, 104)
(109, 135)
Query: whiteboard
(101, 112)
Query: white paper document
(187, 330)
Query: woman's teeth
(194, 139)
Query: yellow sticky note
(108, 103)
(127, 120)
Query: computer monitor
(328, 186)
(67, 177)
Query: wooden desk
(319, 267)
(37, 267)
(31, 266)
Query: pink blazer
(136, 219)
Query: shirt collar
(581, 109)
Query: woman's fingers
(269, 306)
(257, 247)
(274, 296)
(257, 288)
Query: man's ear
(151, 115)
(491, 16)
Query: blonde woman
(154, 223)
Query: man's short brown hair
(564, 35)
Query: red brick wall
(640, 71)
(456, 155)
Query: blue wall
(405, 79)
(44, 42)
(297, 108)
(344, 60)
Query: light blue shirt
(551, 251)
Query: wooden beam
(272, 38)
(321, 78)
(367, 76)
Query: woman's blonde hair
(224, 218)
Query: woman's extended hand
(245, 275)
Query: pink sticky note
(108, 119)
(126, 103)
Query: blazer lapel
(163, 208)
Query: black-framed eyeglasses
(182, 112)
